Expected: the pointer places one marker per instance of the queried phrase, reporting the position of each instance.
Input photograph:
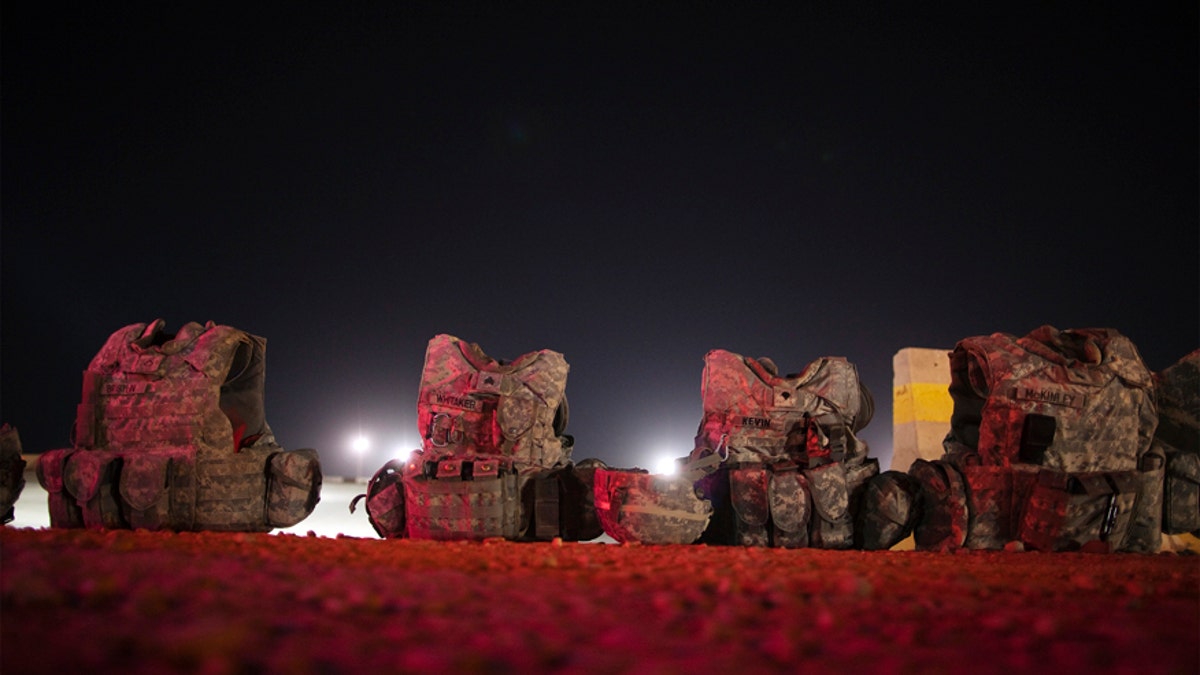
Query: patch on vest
(1052, 396)
(488, 383)
(754, 422)
(122, 388)
(462, 402)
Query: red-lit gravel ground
(131, 602)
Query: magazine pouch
(91, 478)
(791, 508)
(832, 525)
(748, 493)
(989, 506)
(453, 499)
(64, 511)
(293, 486)
(1181, 493)
(1066, 511)
(943, 497)
(145, 487)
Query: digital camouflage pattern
(1178, 438)
(636, 506)
(793, 470)
(12, 472)
(471, 404)
(171, 434)
(1049, 445)
(494, 461)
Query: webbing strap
(700, 465)
(546, 507)
(660, 511)
(456, 511)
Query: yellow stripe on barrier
(921, 402)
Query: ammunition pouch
(173, 488)
(968, 505)
(943, 523)
(91, 478)
(51, 467)
(158, 489)
(451, 499)
(782, 505)
(1181, 493)
(478, 498)
(293, 486)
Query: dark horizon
(631, 190)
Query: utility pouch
(145, 488)
(1145, 524)
(453, 499)
(989, 506)
(944, 521)
(1065, 511)
(748, 494)
(832, 525)
(293, 486)
(560, 502)
(578, 519)
(541, 506)
(1181, 493)
(64, 510)
(857, 476)
(1045, 511)
(791, 508)
(91, 478)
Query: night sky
(629, 189)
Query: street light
(359, 445)
(665, 465)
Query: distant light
(665, 465)
(360, 444)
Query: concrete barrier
(921, 404)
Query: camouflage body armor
(1049, 445)
(1177, 390)
(494, 460)
(171, 434)
(12, 472)
(791, 467)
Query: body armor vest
(1049, 445)
(171, 433)
(470, 404)
(792, 465)
(12, 472)
(776, 462)
(494, 461)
